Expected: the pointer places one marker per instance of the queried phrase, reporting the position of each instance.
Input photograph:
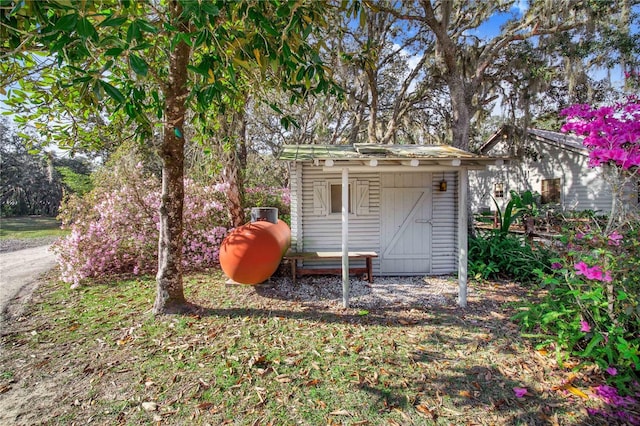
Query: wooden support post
(463, 183)
(345, 237)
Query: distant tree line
(35, 183)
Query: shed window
(498, 190)
(550, 191)
(336, 198)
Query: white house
(403, 203)
(554, 165)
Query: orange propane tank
(252, 252)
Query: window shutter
(319, 198)
(362, 197)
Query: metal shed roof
(426, 154)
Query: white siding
(582, 187)
(312, 231)
(296, 206)
(322, 232)
(482, 183)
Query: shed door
(406, 231)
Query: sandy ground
(19, 270)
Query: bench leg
(294, 274)
(369, 270)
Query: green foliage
(494, 254)
(519, 205)
(591, 310)
(499, 254)
(77, 183)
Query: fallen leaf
(465, 393)
(574, 390)
(149, 406)
(283, 378)
(425, 410)
(403, 414)
(123, 341)
(204, 405)
(340, 413)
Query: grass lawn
(97, 355)
(30, 227)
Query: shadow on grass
(388, 317)
(456, 392)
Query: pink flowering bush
(114, 228)
(612, 137)
(612, 134)
(591, 309)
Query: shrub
(591, 310)
(114, 228)
(494, 254)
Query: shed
(404, 202)
(552, 164)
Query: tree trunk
(461, 114)
(373, 108)
(231, 176)
(170, 294)
(234, 158)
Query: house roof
(562, 140)
(386, 154)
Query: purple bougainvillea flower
(615, 238)
(593, 273)
(520, 392)
(556, 265)
(581, 268)
(584, 326)
(612, 371)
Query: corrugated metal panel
(307, 153)
(323, 232)
(296, 205)
(445, 218)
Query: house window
(336, 198)
(550, 191)
(498, 190)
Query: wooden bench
(306, 256)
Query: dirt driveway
(20, 270)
